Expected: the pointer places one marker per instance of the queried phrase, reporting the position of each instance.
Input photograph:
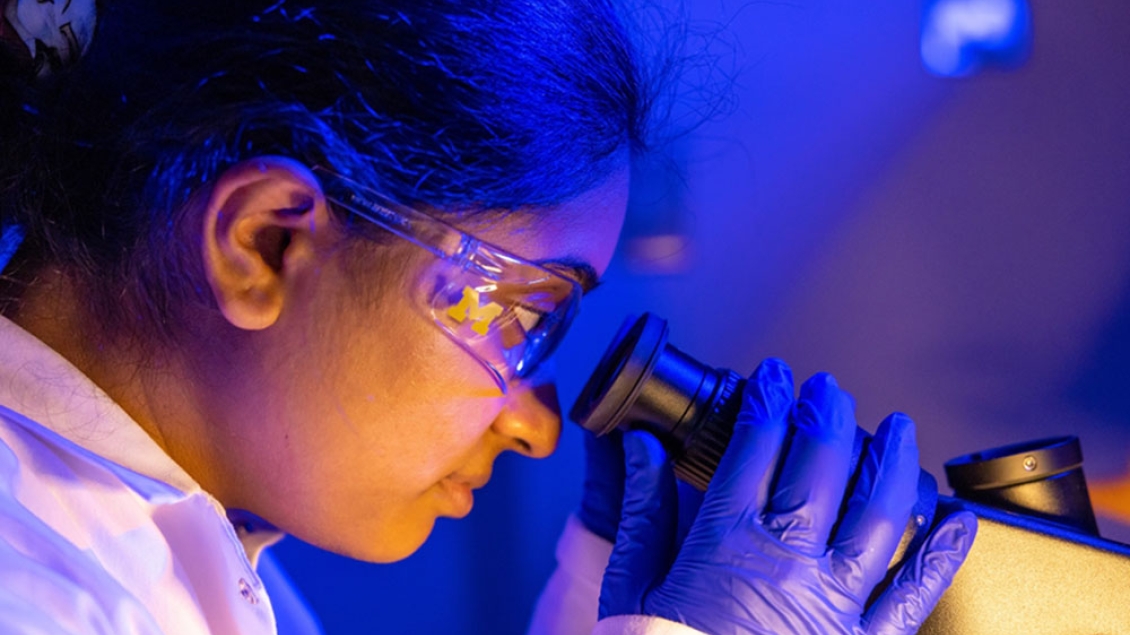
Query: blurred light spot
(656, 234)
(1111, 497)
(662, 254)
(959, 37)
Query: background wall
(956, 249)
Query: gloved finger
(645, 542)
(806, 501)
(604, 484)
(740, 486)
(690, 500)
(878, 508)
(920, 583)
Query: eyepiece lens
(627, 363)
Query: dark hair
(456, 103)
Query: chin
(380, 544)
(395, 532)
(396, 544)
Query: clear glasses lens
(511, 324)
(507, 312)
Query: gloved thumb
(645, 543)
(920, 583)
(603, 493)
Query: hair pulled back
(455, 103)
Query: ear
(266, 224)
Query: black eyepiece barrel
(1039, 478)
(644, 382)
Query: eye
(528, 316)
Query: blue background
(956, 249)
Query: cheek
(411, 405)
(370, 407)
(392, 414)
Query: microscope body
(1029, 576)
(1037, 565)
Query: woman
(294, 268)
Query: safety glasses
(507, 312)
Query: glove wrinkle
(760, 557)
(645, 542)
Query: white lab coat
(101, 532)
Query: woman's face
(354, 422)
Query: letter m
(468, 308)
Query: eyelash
(538, 313)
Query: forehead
(584, 229)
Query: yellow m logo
(468, 308)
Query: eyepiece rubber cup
(626, 366)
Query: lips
(459, 489)
(459, 497)
(471, 480)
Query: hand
(603, 492)
(604, 484)
(767, 556)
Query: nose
(531, 418)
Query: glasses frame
(464, 250)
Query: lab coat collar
(40, 384)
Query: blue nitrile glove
(603, 491)
(604, 484)
(762, 556)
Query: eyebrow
(581, 271)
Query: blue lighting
(10, 240)
(959, 37)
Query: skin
(343, 416)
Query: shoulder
(90, 536)
(48, 584)
(64, 486)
